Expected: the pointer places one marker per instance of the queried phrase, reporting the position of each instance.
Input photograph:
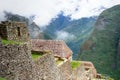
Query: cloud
(46, 10)
(63, 35)
(88, 8)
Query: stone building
(14, 31)
(57, 47)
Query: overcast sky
(45, 10)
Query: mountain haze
(73, 32)
(103, 47)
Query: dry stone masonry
(14, 31)
(16, 62)
(66, 69)
(57, 47)
(47, 69)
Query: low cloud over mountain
(46, 10)
(64, 35)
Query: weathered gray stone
(16, 62)
(14, 31)
(46, 68)
(66, 69)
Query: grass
(10, 42)
(36, 55)
(2, 78)
(75, 64)
(59, 61)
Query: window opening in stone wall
(0, 31)
(18, 29)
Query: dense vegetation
(102, 47)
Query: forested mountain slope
(103, 47)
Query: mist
(66, 36)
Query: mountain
(73, 32)
(103, 47)
(34, 30)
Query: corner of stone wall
(82, 73)
(46, 68)
(79, 73)
(66, 69)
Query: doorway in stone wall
(18, 30)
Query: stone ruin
(14, 31)
(16, 61)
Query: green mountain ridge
(102, 48)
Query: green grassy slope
(101, 48)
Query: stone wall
(57, 47)
(46, 68)
(14, 31)
(66, 69)
(16, 62)
(79, 73)
(89, 66)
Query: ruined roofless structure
(57, 47)
(11, 30)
